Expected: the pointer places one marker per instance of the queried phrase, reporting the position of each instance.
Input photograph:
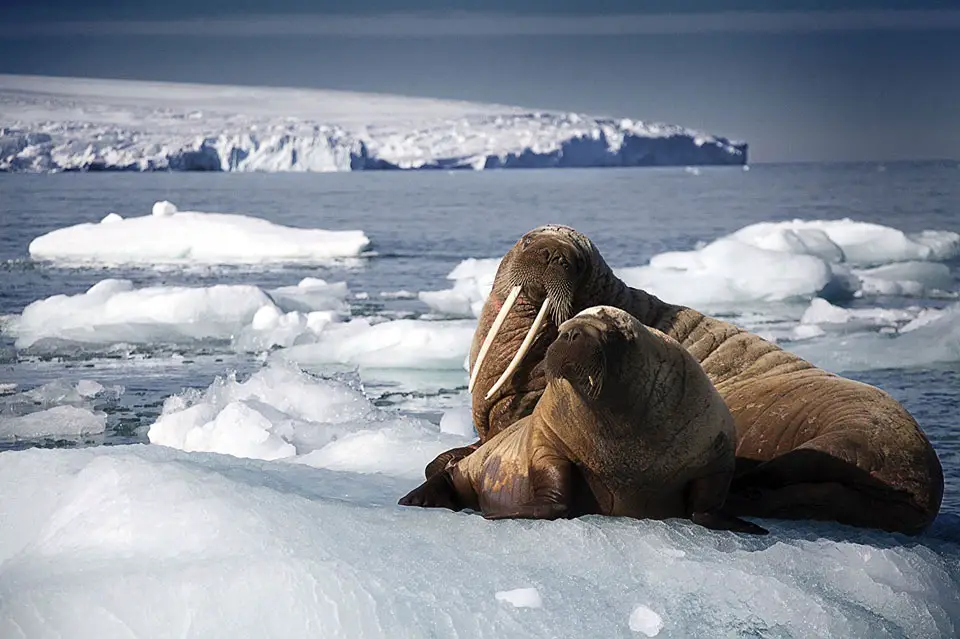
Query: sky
(798, 80)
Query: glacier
(75, 124)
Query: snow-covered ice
(149, 541)
(283, 412)
(472, 281)
(58, 124)
(169, 236)
(521, 597)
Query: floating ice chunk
(59, 421)
(164, 208)
(312, 294)
(729, 272)
(112, 311)
(89, 388)
(175, 237)
(856, 243)
(458, 421)
(931, 338)
(473, 280)
(907, 279)
(822, 312)
(281, 412)
(645, 621)
(405, 343)
(521, 597)
(111, 217)
(7, 388)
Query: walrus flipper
(705, 497)
(718, 520)
(449, 458)
(551, 481)
(437, 492)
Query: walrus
(810, 444)
(628, 425)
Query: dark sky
(806, 80)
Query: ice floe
(169, 236)
(114, 311)
(402, 343)
(149, 541)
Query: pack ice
(282, 521)
(70, 124)
(765, 262)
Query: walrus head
(545, 269)
(590, 347)
(550, 274)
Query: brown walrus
(810, 444)
(627, 425)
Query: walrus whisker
(492, 334)
(524, 347)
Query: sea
(422, 225)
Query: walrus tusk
(524, 347)
(492, 334)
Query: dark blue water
(423, 224)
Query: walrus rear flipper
(719, 520)
(437, 492)
(449, 458)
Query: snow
(169, 236)
(645, 621)
(149, 541)
(57, 124)
(761, 263)
(521, 597)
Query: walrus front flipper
(449, 458)
(546, 495)
(437, 492)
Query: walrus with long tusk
(810, 444)
(628, 425)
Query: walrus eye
(564, 263)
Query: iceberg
(73, 124)
(169, 236)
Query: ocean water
(155, 525)
(423, 224)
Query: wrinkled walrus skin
(628, 425)
(810, 444)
